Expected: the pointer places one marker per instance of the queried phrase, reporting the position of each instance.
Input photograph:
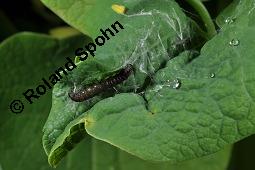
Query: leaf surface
(192, 106)
(213, 107)
(25, 59)
(151, 37)
(88, 16)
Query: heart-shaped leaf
(25, 59)
(151, 37)
(172, 108)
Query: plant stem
(205, 16)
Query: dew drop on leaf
(229, 20)
(212, 75)
(176, 84)
(234, 42)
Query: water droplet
(234, 42)
(212, 75)
(71, 67)
(229, 20)
(176, 84)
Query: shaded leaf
(87, 15)
(242, 156)
(25, 59)
(117, 159)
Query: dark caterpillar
(93, 90)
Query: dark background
(26, 15)
(32, 15)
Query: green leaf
(95, 152)
(87, 15)
(117, 159)
(25, 59)
(161, 32)
(63, 32)
(213, 107)
(233, 11)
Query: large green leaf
(194, 106)
(234, 10)
(213, 107)
(94, 158)
(88, 16)
(153, 33)
(25, 59)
